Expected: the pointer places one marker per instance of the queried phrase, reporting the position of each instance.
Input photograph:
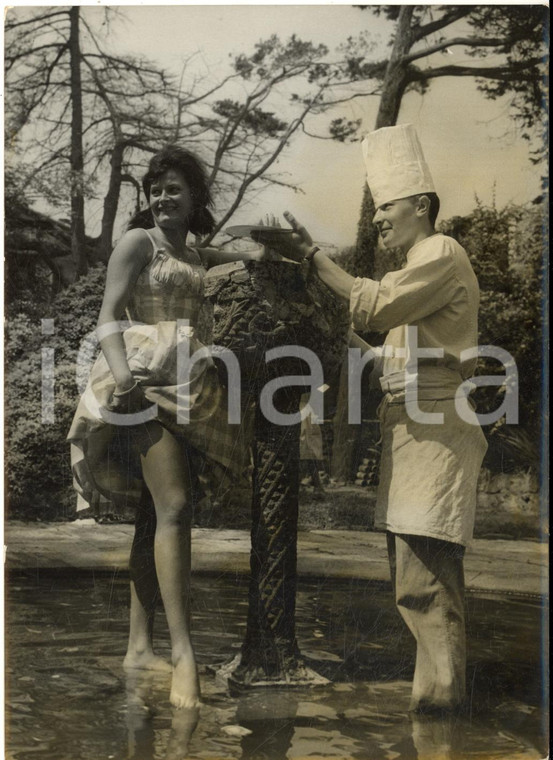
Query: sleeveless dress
(159, 336)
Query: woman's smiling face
(171, 200)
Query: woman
(137, 389)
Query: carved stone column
(260, 306)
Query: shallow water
(68, 697)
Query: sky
(471, 144)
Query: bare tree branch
(11, 59)
(262, 169)
(11, 25)
(447, 19)
(467, 41)
(501, 73)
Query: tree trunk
(395, 78)
(78, 249)
(393, 89)
(111, 202)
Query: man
(432, 448)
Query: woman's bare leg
(165, 471)
(144, 591)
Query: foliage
(485, 234)
(522, 30)
(507, 250)
(345, 258)
(37, 459)
(257, 120)
(25, 280)
(28, 285)
(367, 239)
(37, 254)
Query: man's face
(398, 223)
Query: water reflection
(256, 715)
(142, 704)
(69, 698)
(139, 716)
(436, 738)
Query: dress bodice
(185, 396)
(168, 289)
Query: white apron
(428, 473)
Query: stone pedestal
(259, 306)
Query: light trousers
(428, 582)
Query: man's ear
(422, 206)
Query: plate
(246, 230)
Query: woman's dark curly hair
(201, 221)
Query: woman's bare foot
(185, 687)
(146, 660)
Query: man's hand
(268, 251)
(294, 246)
(301, 236)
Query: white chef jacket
(436, 291)
(428, 472)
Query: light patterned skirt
(192, 405)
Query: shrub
(507, 250)
(38, 471)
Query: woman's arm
(128, 259)
(211, 257)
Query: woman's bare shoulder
(134, 242)
(138, 236)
